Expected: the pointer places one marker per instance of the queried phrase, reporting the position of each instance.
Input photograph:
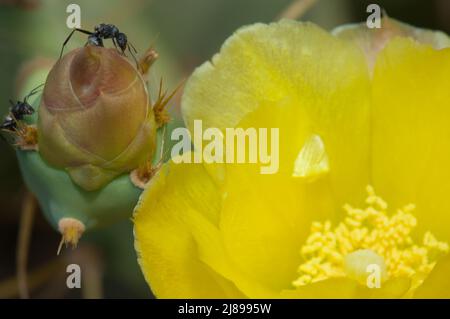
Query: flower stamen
(369, 234)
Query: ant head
(22, 108)
(27, 108)
(122, 41)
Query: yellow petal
(391, 289)
(411, 131)
(213, 253)
(266, 217)
(312, 160)
(168, 251)
(345, 288)
(309, 83)
(342, 288)
(298, 78)
(437, 284)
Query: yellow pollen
(368, 234)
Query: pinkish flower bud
(372, 41)
(95, 119)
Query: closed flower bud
(372, 41)
(95, 120)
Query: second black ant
(18, 110)
(13, 124)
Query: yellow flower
(225, 230)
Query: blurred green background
(185, 33)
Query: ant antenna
(132, 46)
(133, 54)
(34, 91)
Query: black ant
(105, 31)
(18, 110)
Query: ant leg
(132, 46)
(115, 44)
(70, 36)
(65, 42)
(34, 91)
(134, 57)
(84, 31)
